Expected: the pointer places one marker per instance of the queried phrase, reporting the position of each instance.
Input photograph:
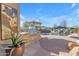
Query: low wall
(31, 36)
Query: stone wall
(9, 22)
(0, 21)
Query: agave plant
(16, 40)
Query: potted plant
(18, 45)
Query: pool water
(57, 33)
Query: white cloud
(72, 19)
(77, 12)
(22, 17)
(52, 20)
(38, 11)
(73, 5)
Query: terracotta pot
(18, 51)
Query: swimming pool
(58, 33)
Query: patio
(47, 46)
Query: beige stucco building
(9, 19)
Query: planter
(18, 51)
(18, 45)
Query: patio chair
(73, 52)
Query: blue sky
(50, 13)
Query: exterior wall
(16, 6)
(9, 19)
(0, 21)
